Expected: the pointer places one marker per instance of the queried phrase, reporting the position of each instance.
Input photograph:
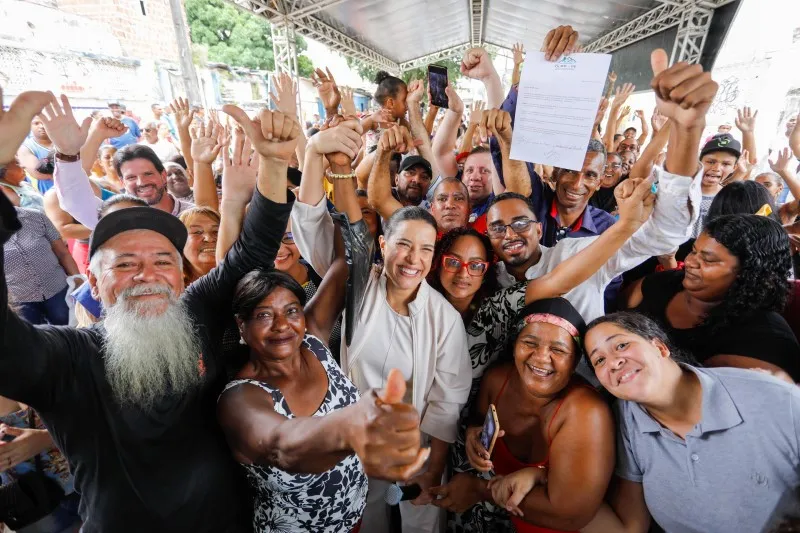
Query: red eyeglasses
(453, 264)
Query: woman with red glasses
(463, 260)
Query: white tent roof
(402, 34)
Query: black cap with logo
(722, 142)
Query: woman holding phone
(550, 421)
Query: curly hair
(762, 247)
(446, 243)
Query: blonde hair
(187, 218)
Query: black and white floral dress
(332, 502)
(489, 333)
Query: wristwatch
(68, 158)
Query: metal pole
(188, 72)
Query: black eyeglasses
(519, 227)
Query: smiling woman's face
(545, 356)
(629, 366)
(276, 327)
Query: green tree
(368, 72)
(236, 38)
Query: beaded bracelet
(341, 176)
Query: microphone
(396, 493)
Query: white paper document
(556, 107)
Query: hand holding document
(556, 108)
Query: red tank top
(505, 463)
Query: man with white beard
(131, 400)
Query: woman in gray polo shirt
(698, 449)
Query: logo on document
(566, 63)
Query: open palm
(206, 142)
(15, 124)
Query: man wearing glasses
(164, 149)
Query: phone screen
(487, 435)
(437, 81)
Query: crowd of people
(231, 323)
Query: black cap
(722, 142)
(414, 160)
(134, 218)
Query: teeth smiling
(627, 376)
(410, 272)
(541, 371)
(513, 247)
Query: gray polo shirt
(734, 466)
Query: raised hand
(273, 134)
(746, 119)
(559, 41)
(498, 124)
(477, 64)
(639, 114)
(348, 104)
(621, 95)
(476, 112)
(239, 170)
(62, 128)
(509, 491)
(327, 90)
(657, 121)
(635, 200)
(184, 114)
(396, 139)
(340, 143)
(519, 53)
(454, 102)
(207, 141)
(416, 90)
(384, 433)
(601, 112)
(284, 94)
(683, 92)
(783, 164)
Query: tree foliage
(368, 72)
(236, 38)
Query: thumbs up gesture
(683, 91)
(385, 433)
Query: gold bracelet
(341, 176)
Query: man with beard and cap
(413, 180)
(131, 400)
(719, 157)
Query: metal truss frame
(298, 16)
(692, 33)
(476, 14)
(689, 15)
(447, 53)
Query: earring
(241, 341)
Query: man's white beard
(150, 356)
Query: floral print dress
(331, 502)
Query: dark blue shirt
(592, 222)
(129, 137)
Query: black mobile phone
(437, 81)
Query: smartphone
(491, 427)
(437, 81)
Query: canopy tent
(402, 35)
